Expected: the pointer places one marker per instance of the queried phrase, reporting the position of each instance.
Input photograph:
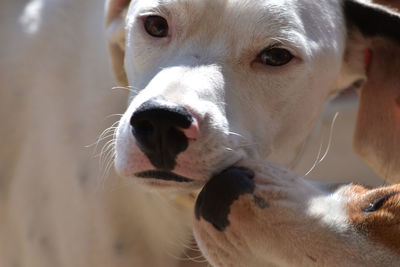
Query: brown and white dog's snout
(162, 130)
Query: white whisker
(189, 258)
(107, 153)
(315, 162)
(236, 134)
(106, 165)
(330, 137)
(114, 115)
(101, 137)
(318, 160)
(128, 88)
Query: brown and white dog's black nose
(216, 197)
(159, 129)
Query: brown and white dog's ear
(116, 11)
(374, 36)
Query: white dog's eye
(275, 56)
(156, 26)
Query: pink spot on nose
(193, 132)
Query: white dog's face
(233, 79)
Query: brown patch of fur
(382, 225)
(390, 3)
(377, 135)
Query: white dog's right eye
(156, 26)
(275, 56)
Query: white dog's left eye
(156, 26)
(275, 56)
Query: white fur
(331, 209)
(56, 97)
(208, 65)
(31, 18)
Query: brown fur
(390, 3)
(377, 139)
(383, 225)
(377, 136)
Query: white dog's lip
(163, 175)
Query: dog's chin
(186, 176)
(163, 175)
(155, 179)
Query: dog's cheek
(250, 126)
(123, 146)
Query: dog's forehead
(212, 3)
(298, 22)
(262, 13)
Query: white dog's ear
(116, 11)
(374, 31)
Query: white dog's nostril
(193, 132)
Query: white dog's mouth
(163, 175)
(162, 143)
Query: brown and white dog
(264, 215)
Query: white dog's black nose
(158, 127)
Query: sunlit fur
(209, 64)
(304, 223)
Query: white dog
(215, 78)
(218, 81)
(228, 87)
(241, 76)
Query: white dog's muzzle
(175, 131)
(218, 83)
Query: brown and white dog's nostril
(162, 130)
